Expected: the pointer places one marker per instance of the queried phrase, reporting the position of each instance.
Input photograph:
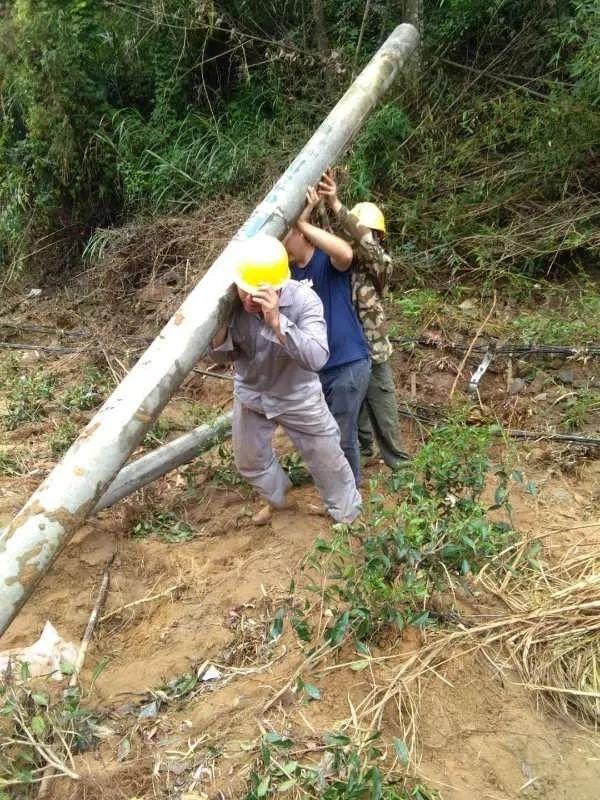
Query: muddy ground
(480, 733)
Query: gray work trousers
(316, 436)
(379, 414)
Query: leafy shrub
(377, 157)
(579, 35)
(382, 570)
(108, 109)
(39, 729)
(296, 469)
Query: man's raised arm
(339, 251)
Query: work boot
(371, 460)
(316, 511)
(401, 464)
(367, 451)
(264, 515)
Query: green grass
(10, 465)
(28, 397)
(580, 409)
(90, 393)
(163, 525)
(158, 433)
(413, 310)
(199, 414)
(557, 327)
(63, 437)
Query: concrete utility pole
(34, 538)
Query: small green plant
(38, 729)
(157, 435)
(416, 309)
(579, 408)
(555, 327)
(10, 465)
(88, 394)
(164, 525)
(63, 437)
(344, 771)
(296, 469)
(199, 414)
(225, 472)
(27, 398)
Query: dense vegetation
(111, 109)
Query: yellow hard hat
(261, 261)
(369, 215)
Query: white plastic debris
(33, 293)
(44, 657)
(211, 674)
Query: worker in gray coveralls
(277, 340)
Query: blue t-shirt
(345, 335)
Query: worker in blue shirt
(323, 260)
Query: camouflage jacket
(371, 272)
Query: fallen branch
(141, 601)
(50, 770)
(43, 348)
(89, 631)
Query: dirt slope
(213, 598)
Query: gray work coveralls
(277, 384)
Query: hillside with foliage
(486, 160)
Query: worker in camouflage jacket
(364, 228)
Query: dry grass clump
(554, 638)
(537, 230)
(141, 253)
(550, 634)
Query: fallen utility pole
(187, 447)
(164, 459)
(60, 505)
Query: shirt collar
(286, 296)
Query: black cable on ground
(437, 412)
(591, 350)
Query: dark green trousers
(378, 418)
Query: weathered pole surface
(33, 539)
(162, 460)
